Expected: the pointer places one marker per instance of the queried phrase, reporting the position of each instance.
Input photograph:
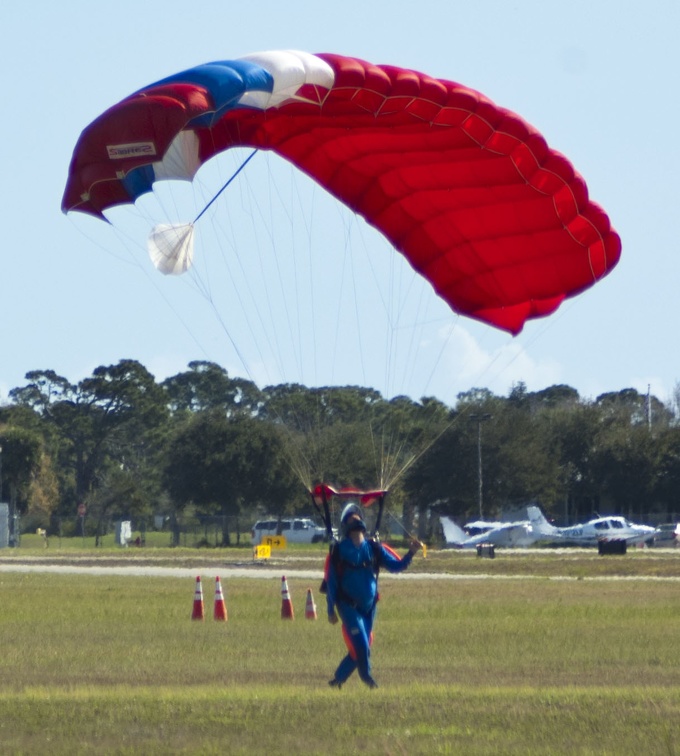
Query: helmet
(352, 510)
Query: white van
(295, 530)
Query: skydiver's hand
(333, 618)
(415, 546)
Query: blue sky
(599, 79)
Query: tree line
(120, 445)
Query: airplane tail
(538, 522)
(454, 535)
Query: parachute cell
(500, 224)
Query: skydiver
(352, 589)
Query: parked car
(295, 530)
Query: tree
(623, 462)
(305, 409)
(445, 475)
(344, 454)
(558, 396)
(225, 466)
(666, 485)
(207, 386)
(635, 408)
(21, 452)
(519, 461)
(520, 467)
(572, 436)
(349, 435)
(110, 419)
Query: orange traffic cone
(310, 606)
(286, 603)
(220, 607)
(197, 613)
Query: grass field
(519, 665)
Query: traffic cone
(310, 606)
(286, 603)
(220, 607)
(197, 613)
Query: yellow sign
(262, 552)
(275, 542)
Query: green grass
(115, 665)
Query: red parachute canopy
(500, 224)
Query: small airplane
(505, 534)
(593, 532)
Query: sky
(598, 79)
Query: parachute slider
(366, 498)
(322, 493)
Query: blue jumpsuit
(353, 590)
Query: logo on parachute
(133, 149)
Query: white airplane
(509, 534)
(593, 532)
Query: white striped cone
(197, 612)
(286, 604)
(310, 606)
(220, 612)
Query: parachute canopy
(500, 224)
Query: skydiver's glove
(415, 546)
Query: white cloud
(466, 362)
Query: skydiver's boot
(335, 683)
(370, 682)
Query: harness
(340, 565)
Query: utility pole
(479, 419)
(649, 407)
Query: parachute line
(232, 177)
